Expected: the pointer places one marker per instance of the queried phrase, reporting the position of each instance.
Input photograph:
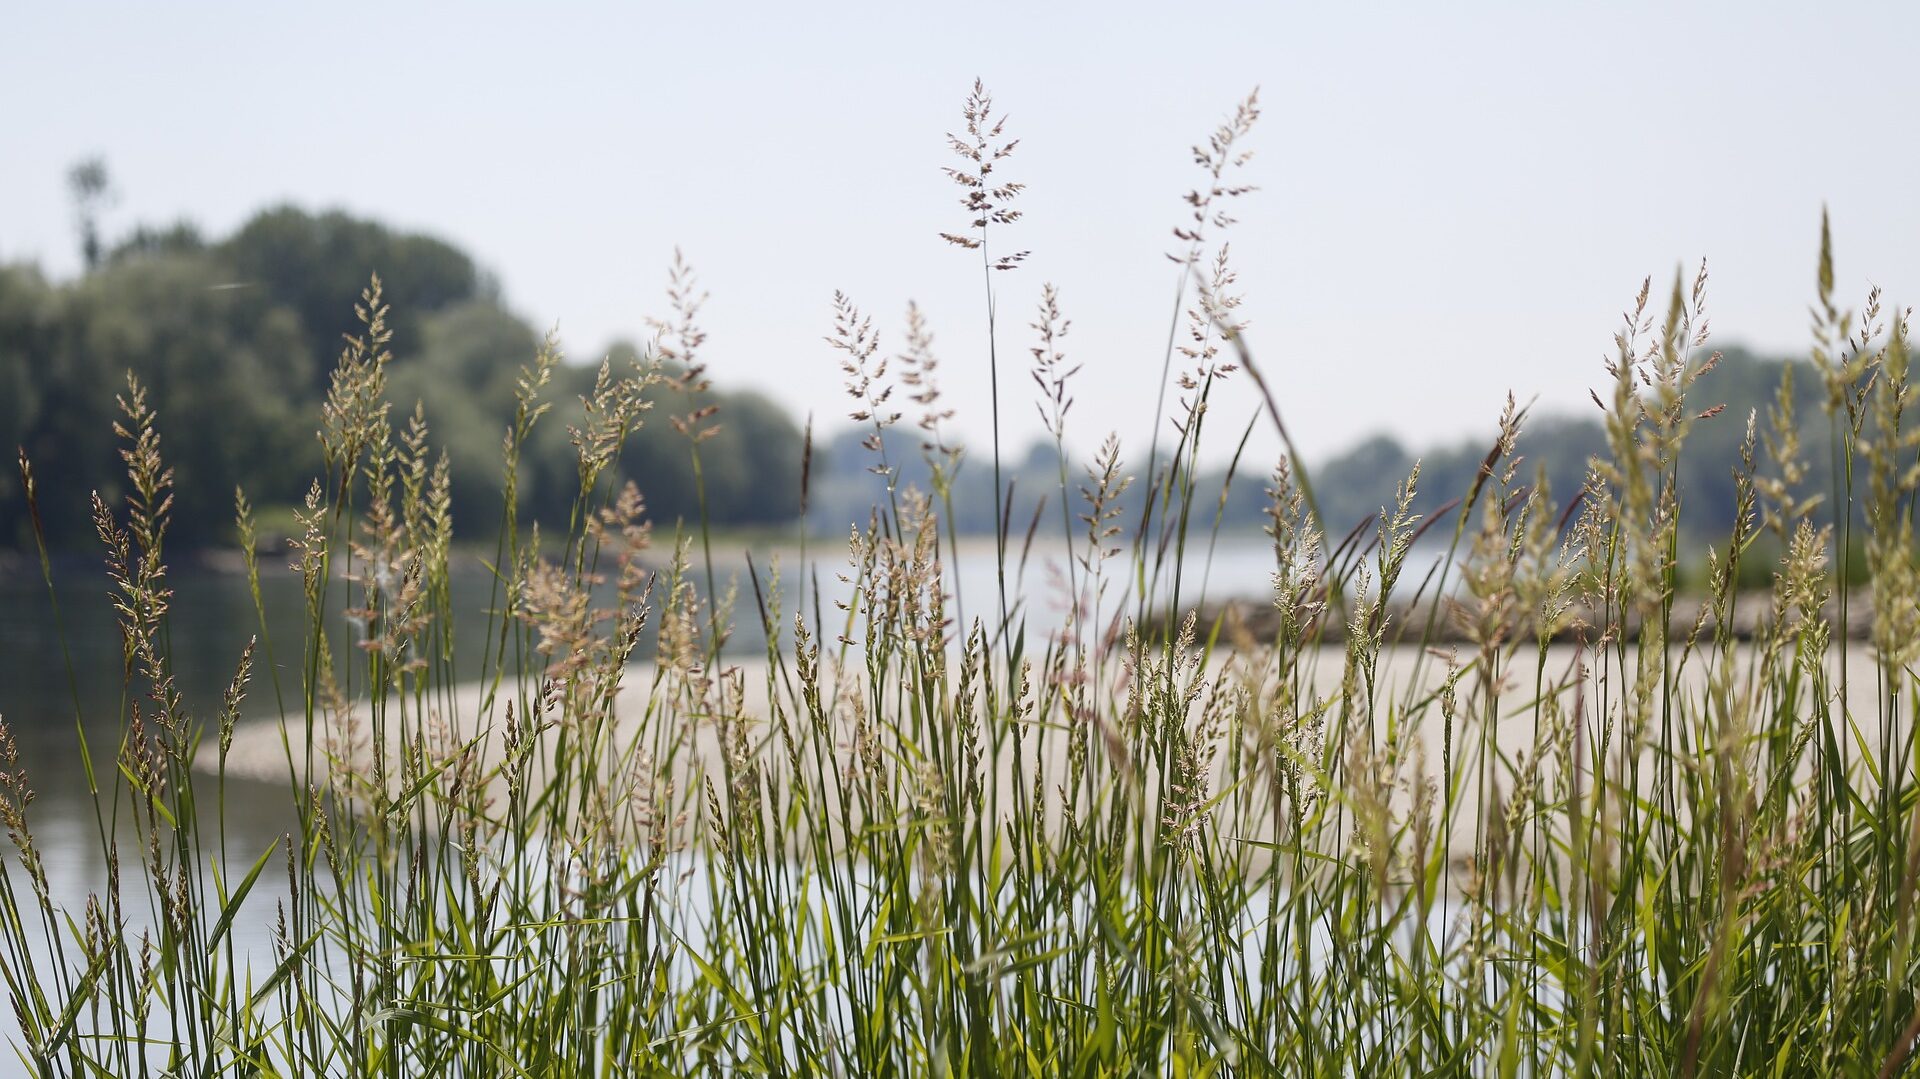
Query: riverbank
(1749, 618)
(1406, 678)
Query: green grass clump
(914, 839)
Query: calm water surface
(61, 675)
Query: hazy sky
(1456, 200)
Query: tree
(93, 193)
(317, 263)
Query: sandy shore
(259, 746)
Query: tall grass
(1587, 840)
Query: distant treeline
(1558, 446)
(235, 339)
(1352, 487)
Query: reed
(1589, 840)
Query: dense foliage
(236, 339)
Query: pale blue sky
(1457, 200)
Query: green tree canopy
(235, 338)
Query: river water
(60, 675)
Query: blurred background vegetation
(235, 336)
